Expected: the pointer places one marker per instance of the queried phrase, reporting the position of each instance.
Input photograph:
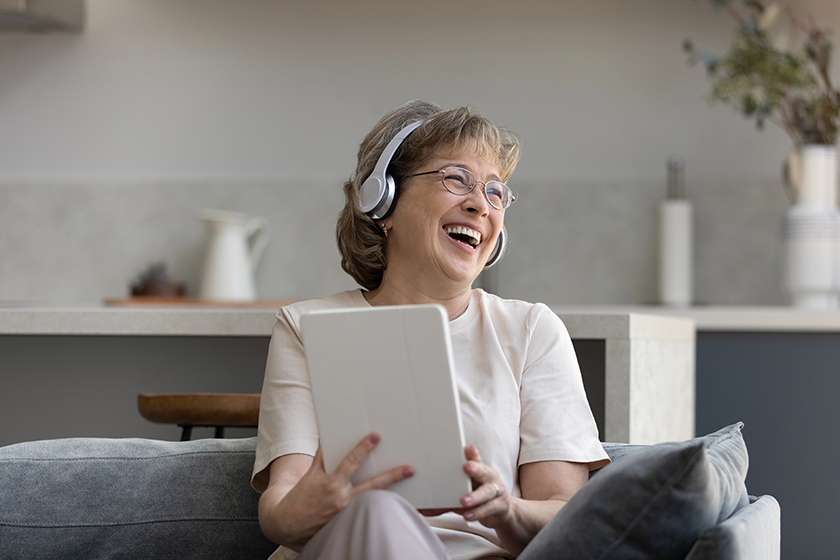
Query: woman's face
(424, 239)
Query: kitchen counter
(628, 360)
(136, 321)
(177, 321)
(255, 321)
(729, 318)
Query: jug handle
(261, 228)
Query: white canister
(676, 255)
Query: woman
(532, 439)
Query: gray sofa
(133, 498)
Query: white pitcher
(237, 241)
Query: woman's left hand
(489, 503)
(546, 487)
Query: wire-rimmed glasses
(460, 181)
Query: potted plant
(782, 76)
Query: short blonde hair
(361, 242)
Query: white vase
(811, 231)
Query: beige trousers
(376, 525)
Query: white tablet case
(389, 370)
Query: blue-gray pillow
(651, 503)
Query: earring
(384, 229)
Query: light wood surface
(196, 302)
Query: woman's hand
(291, 511)
(489, 503)
(546, 487)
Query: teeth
(474, 235)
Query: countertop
(253, 321)
(583, 321)
(730, 318)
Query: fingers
(471, 453)
(490, 505)
(479, 472)
(351, 463)
(489, 495)
(384, 480)
(484, 493)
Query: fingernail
(408, 472)
(469, 516)
(374, 439)
(467, 500)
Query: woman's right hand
(292, 511)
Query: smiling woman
(423, 216)
(361, 240)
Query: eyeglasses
(458, 180)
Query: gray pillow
(651, 503)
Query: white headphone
(378, 193)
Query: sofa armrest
(752, 533)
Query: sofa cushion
(651, 502)
(129, 498)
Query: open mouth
(464, 235)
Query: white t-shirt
(521, 395)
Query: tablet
(389, 370)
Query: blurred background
(113, 139)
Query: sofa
(90, 499)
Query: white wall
(112, 139)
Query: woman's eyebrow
(493, 176)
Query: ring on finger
(498, 490)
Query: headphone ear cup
(378, 195)
(393, 193)
(498, 250)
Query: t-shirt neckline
(358, 298)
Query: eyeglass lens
(461, 181)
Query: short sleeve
(287, 418)
(556, 419)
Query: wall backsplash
(596, 243)
(113, 139)
(571, 242)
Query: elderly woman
(531, 436)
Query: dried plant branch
(770, 84)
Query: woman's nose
(476, 200)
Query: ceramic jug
(234, 248)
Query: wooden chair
(189, 410)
